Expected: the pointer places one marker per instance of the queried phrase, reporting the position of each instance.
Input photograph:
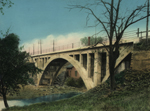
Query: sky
(50, 20)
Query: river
(47, 98)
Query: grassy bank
(97, 100)
(130, 97)
(31, 91)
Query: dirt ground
(31, 91)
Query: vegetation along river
(32, 94)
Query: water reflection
(47, 98)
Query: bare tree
(114, 24)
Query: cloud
(63, 42)
(60, 42)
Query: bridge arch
(81, 70)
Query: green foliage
(79, 82)
(5, 3)
(119, 78)
(14, 68)
(132, 79)
(93, 40)
(30, 81)
(142, 45)
(75, 83)
(137, 79)
(70, 82)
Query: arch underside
(54, 64)
(51, 71)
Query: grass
(128, 97)
(97, 99)
(30, 91)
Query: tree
(15, 69)
(84, 41)
(4, 3)
(114, 22)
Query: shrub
(80, 83)
(132, 79)
(75, 83)
(119, 78)
(135, 79)
(31, 81)
(142, 45)
(70, 82)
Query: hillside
(130, 96)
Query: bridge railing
(129, 36)
(58, 48)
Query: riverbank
(97, 99)
(31, 91)
(131, 95)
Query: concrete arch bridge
(90, 62)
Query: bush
(132, 79)
(31, 81)
(135, 79)
(70, 82)
(119, 78)
(75, 83)
(142, 45)
(79, 82)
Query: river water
(47, 98)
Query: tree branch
(82, 7)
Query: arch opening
(58, 71)
(51, 71)
(54, 65)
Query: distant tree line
(93, 40)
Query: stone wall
(140, 60)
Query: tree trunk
(112, 79)
(4, 95)
(5, 101)
(112, 62)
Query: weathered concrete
(87, 61)
(97, 68)
(140, 60)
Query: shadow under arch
(81, 70)
(52, 70)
